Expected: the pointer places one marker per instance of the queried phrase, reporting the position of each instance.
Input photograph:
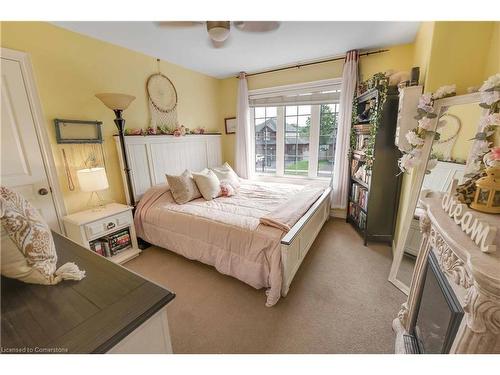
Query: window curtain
(340, 176)
(243, 136)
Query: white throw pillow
(208, 183)
(226, 174)
(29, 254)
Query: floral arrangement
(179, 131)
(481, 150)
(416, 136)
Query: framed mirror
(457, 123)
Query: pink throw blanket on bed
(288, 213)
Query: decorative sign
(478, 230)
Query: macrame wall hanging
(162, 98)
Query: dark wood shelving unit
(375, 219)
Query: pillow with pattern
(28, 252)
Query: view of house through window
(308, 136)
(265, 139)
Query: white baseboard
(337, 212)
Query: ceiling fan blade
(179, 24)
(257, 26)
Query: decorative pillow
(29, 254)
(226, 189)
(183, 187)
(208, 183)
(226, 173)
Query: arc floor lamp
(118, 103)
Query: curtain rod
(298, 66)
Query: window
(327, 134)
(295, 128)
(297, 134)
(265, 139)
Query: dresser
(111, 310)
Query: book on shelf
(112, 244)
(362, 128)
(359, 195)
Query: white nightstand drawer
(124, 219)
(100, 227)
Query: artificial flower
(493, 119)
(481, 147)
(445, 91)
(414, 139)
(408, 161)
(425, 123)
(490, 97)
(491, 83)
(495, 153)
(416, 153)
(425, 103)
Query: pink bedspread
(224, 233)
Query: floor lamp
(118, 103)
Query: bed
(228, 232)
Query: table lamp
(118, 103)
(93, 180)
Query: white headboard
(150, 157)
(442, 175)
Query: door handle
(43, 191)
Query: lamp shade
(92, 179)
(116, 101)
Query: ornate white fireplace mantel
(473, 275)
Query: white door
(22, 166)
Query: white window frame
(269, 93)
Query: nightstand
(104, 225)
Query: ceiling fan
(218, 31)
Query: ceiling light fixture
(218, 30)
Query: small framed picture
(230, 125)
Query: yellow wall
(422, 48)
(493, 57)
(70, 68)
(461, 53)
(397, 58)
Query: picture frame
(78, 131)
(230, 123)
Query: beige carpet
(340, 301)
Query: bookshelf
(374, 180)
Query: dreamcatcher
(162, 101)
(448, 131)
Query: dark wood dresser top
(87, 316)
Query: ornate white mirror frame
(419, 172)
